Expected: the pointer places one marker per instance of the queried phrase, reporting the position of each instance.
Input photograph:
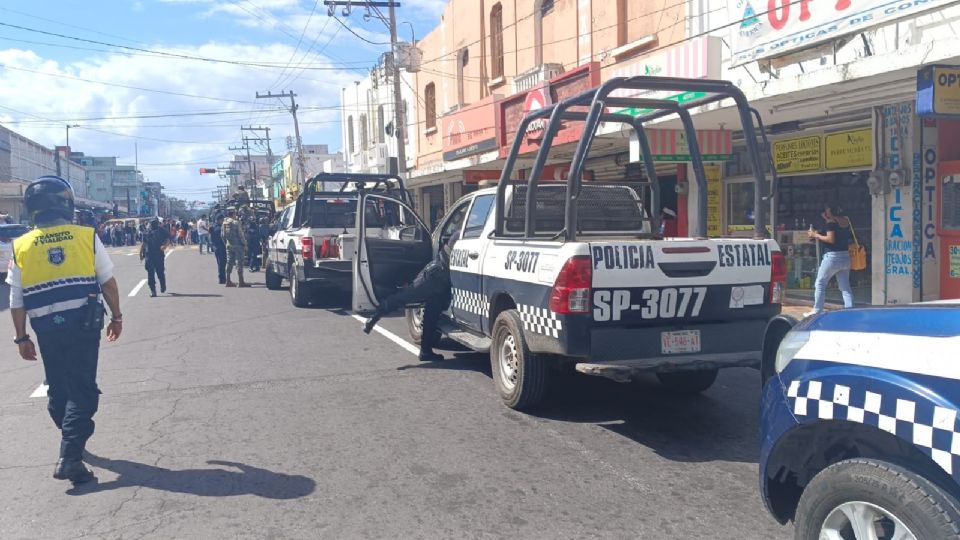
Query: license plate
(680, 341)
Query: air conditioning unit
(377, 156)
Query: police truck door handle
(473, 254)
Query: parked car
(7, 233)
(859, 427)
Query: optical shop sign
(766, 28)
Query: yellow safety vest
(57, 269)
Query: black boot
(371, 322)
(153, 292)
(72, 470)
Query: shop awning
(671, 145)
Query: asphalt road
(230, 413)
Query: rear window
(331, 213)
(602, 209)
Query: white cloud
(63, 100)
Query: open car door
(393, 245)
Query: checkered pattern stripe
(540, 320)
(471, 302)
(930, 427)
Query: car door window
(453, 222)
(478, 216)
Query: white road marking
(138, 287)
(410, 347)
(41, 391)
(130, 254)
(168, 254)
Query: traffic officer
(58, 272)
(431, 288)
(236, 241)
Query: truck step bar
(625, 371)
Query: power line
(343, 24)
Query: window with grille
(496, 41)
(430, 101)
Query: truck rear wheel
(272, 279)
(299, 296)
(688, 382)
(519, 375)
(865, 498)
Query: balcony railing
(533, 77)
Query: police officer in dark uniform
(151, 252)
(431, 288)
(58, 273)
(219, 248)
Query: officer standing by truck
(219, 248)
(56, 277)
(431, 288)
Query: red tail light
(778, 277)
(571, 291)
(306, 248)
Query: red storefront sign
(514, 108)
(472, 130)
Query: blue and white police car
(860, 436)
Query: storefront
(814, 170)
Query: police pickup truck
(577, 275)
(313, 244)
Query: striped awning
(671, 145)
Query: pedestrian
(58, 274)
(219, 249)
(834, 240)
(182, 233)
(431, 288)
(151, 252)
(203, 234)
(236, 242)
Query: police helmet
(49, 197)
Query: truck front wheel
(519, 375)
(688, 382)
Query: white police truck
(578, 275)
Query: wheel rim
(509, 362)
(858, 520)
(417, 320)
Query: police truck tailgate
(681, 303)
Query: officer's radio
(93, 314)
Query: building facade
(368, 120)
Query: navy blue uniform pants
(70, 363)
(433, 291)
(221, 254)
(156, 271)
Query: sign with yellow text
(714, 206)
(848, 149)
(802, 154)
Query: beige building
(485, 51)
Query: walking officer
(236, 241)
(431, 288)
(57, 275)
(151, 252)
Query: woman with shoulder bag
(834, 240)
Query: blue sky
(49, 80)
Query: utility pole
(245, 147)
(391, 24)
(296, 129)
(269, 150)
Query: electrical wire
(343, 24)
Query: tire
(272, 279)
(688, 382)
(299, 295)
(879, 487)
(415, 324)
(521, 381)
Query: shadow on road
(719, 425)
(201, 482)
(182, 295)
